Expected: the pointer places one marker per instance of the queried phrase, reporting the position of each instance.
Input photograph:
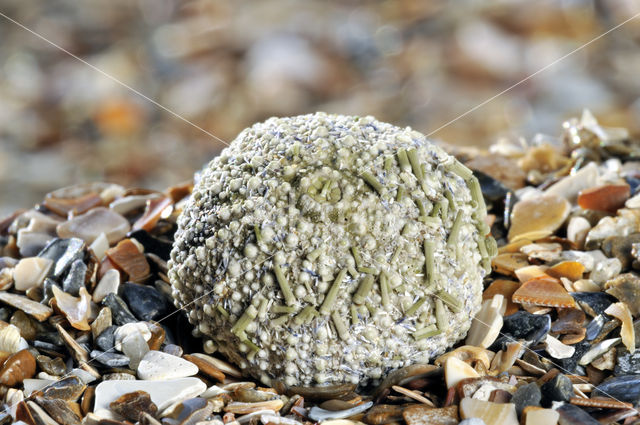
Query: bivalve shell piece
(538, 217)
(490, 413)
(621, 312)
(543, 292)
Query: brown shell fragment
(543, 292)
(600, 403)
(570, 320)
(610, 197)
(154, 210)
(205, 367)
(74, 206)
(17, 368)
(506, 288)
(133, 404)
(129, 259)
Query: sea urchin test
(328, 248)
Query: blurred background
(226, 64)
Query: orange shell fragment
(543, 292)
(505, 288)
(572, 270)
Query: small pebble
(75, 278)
(558, 388)
(526, 395)
(120, 313)
(145, 301)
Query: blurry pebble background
(226, 64)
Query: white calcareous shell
(11, 341)
(30, 272)
(156, 365)
(491, 413)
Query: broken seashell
(572, 270)
(126, 256)
(558, 350)
(542, 251)
(531, 272)
(506, 288)
(608, 198)
(487, 323)
(424, 415)
(508, 263)
(455, 370)
(32, 308)
(621, 312)
(75, 309)
(543, 292)
(30, 272)
(490, 413)
(469, 354)
(241, 408)
(538, 217)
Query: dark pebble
(558, 388)
(593, 303)
(48, 346)
(620, 248)
(634, 184)
(492, 189)
(573, 415)
(47, 290)
(627, 363)
(120, 313)
(109, 359)
(62, 252)
(75, 278)
(571, 364)
(624, 388)
(526, 395)
(523, 325)
(145, 302)
(594, 327)
(152, 244)
(106, 340)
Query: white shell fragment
(455, 370)
(621, 312)
(30, 272)
(557, 349)
(156, 365)
(486, 326)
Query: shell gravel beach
(89, 332)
